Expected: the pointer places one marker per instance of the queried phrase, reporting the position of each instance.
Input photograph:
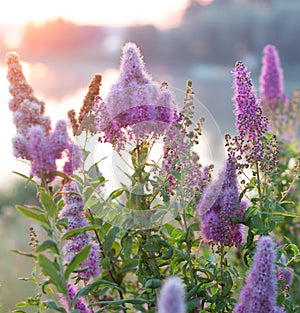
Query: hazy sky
(109, 12)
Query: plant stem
(222, 264)
(54, 236)
(110, 272)
(188, 247)
(259, 187)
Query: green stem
(222, 265)
(259, 187)
(188, 247)
(54, 236)
(112, 272)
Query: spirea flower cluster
(219, 204)
(171, 298)
(181, 165)
(136, 105)
(79, 305)
(250, 122)
(260, 292)
(271, 79)
(86, 118)
(73, 211)
(34, 140)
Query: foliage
(149, 229)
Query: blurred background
(62, 44)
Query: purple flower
(171, 297)
(73, 211)
(34, 140)
(79, 305)
(135, 104)
(271, 79)
(218, 206)
(260, 292)
(43, 161)
(250, 122)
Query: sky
(162, 13)
(16, 13)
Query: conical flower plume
(171, 297)
(218, 206)
(260, 292)
(135, 105)
(271, 79)
(34, 140)
(250, 122)
(73, 211)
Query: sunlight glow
(113, 12)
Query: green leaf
(22, 304)
(38, 217)
(220, 306)
(192, 304)
(47, 244)
(294, 248)
(77, 260)
(191, 292)
(30, 255)
(177, 175)
(287, 214)
(126, 243)
(77, 231)
(115, 194)
(78, 179)
(28, 178)
(153, 283)
(158, 214)
(51, 270)
(109, 239)
(91, 202)
(98, 283)
(48, 204)
(116, 302)
(61, 174)
(50, 304)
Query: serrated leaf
(47, 244)
(77, 260)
